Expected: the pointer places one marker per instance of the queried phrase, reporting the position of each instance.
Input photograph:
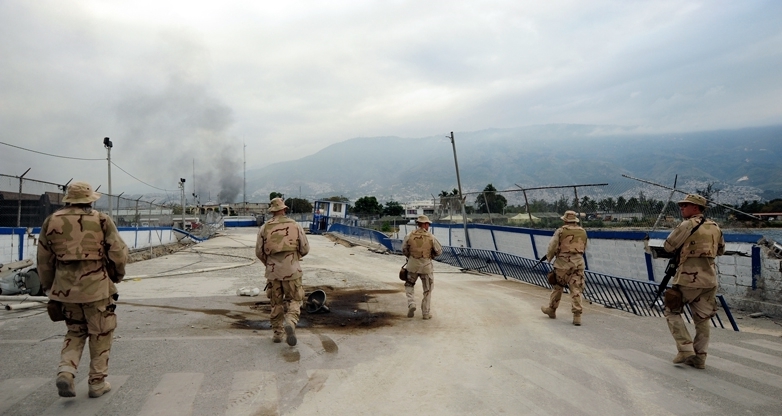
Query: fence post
(19, 212)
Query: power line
(48, 154)
(151, 186)
(81, 158)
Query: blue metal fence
(364, 234)
(630, 295)
(634, 296)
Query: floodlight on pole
(108, 145)
(182, 187)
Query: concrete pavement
(187, 344)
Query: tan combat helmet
(80, 193)
(570, 216)
(694, 199)
(277, 205)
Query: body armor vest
(281, 236)
(703, 242)
(572, 240)
(421, 245)
(75, 234)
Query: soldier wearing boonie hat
(699, 241)
(568, 245)
(281, 243)
(80, 258)
(420, 247)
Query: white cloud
(170, 81)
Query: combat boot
(427, 316)
(65, 385)
(277, 338)
(552, 313)
(697, 360)
(577, 320)
(99, 389)
(290, 333)
(682, 356)
(411, 311)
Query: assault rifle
(670, 271)
(542, 259)
(673, 265)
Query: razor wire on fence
(625, 203)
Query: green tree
(367, 205)
(394, 209)
(621, 204)
(275, 195)
(337, 199)
(489, 201)
(299, 205)
(775, 205)
(450, 201)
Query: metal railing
(363, 234)
(629, 295)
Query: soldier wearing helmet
(420, 247)
(80, 258)
(280, 245)
(698, 241)
(568, 246)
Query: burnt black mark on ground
(349, 309)
(215, 312)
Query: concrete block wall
(21, 243)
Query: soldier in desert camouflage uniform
(80, 258)
(280, 245)
(695, 282)
(568, 246)
(420, 247)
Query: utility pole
(244, 190)
(461, 198)
(108, 145)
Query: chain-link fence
(26, 202)
(624, 203)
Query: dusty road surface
(187, 344)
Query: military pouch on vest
(55, 310)
(673, 300)
(552, 278)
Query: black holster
(673, 299)
(55, 310)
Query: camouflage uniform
(696, 279)
(78, 250)
(568, 245)
(420, 247)
(280, 245)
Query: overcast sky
(176, 81)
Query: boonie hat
(694, 199)
(422, 219)
(277, 205)
(80, 193)
(570, 216)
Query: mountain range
(743, 164)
